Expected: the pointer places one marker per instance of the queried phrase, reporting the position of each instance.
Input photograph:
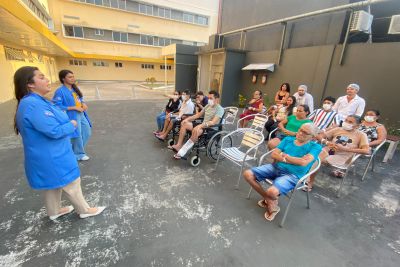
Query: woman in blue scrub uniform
(50, 164)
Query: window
(164, 12)
(100, 64)
(114, 3)
(202, 20)
(124, 37)
(98, 2)
(122, 4)
(118, 64)
(99, 32)
(116, 36)
(14, 54)
(74, 31)
(146, 9)
(146, 39)
(187, 42)
(164, 41)
(188, 18)
(147, 66)
(77, 62)
(162, 67)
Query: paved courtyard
(162, 212)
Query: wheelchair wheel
(171, 142)
(195, 161)
(214, 145)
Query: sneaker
(70, 209)
(84, 158)
(85, 215)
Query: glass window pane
(69, 30)
(78, 32)
(122, 4)
(124, 37)
(116, 36)
(114, 3)
(99, 2)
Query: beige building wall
(130, 71)
(8, 68)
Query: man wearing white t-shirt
(350, 104)
(304, 98)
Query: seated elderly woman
(293, 158)
(255, 105)
(375, 131)
(291, 125)
(341, 143)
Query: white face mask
(326, 106)
(369, 118)
(211, 102)
(185, 97)
(347, 126)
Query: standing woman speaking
(69, 98)
(50, 164)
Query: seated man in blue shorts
(293, 158)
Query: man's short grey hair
(303, 86)
(313, 129)
(354, 86)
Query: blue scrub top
(46, 131)
(63, 98)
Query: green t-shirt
(294, 124)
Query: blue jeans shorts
(284, 181)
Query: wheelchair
(210, 141)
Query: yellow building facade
(100, 39)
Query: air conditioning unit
(361, 22)
(394, 27)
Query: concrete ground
(162, 212)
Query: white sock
(186, 147)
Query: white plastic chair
(242, 148)
(300, 184)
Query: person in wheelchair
(187, 108)
(293, 158)
(212, 114)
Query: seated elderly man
(341, 143)
(304, 98)
(293, 158)
(212, 113)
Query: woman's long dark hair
(291, 107)
(22, 77)
(61, 77)
(287, 87)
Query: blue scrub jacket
(63, 98)
(50, 162)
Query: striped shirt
(323, 119)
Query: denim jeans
(160, 120)
(84, 131)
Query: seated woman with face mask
(375, 131)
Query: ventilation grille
(361, 22)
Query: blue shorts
(284, 181)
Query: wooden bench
(393, 142)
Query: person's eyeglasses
(304, 132)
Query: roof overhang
(260, 66)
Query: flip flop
(172, 148)
(159, 138)
(338, 174)
(270, 217)
(156, 132)
(261, 203)
(177, 157)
